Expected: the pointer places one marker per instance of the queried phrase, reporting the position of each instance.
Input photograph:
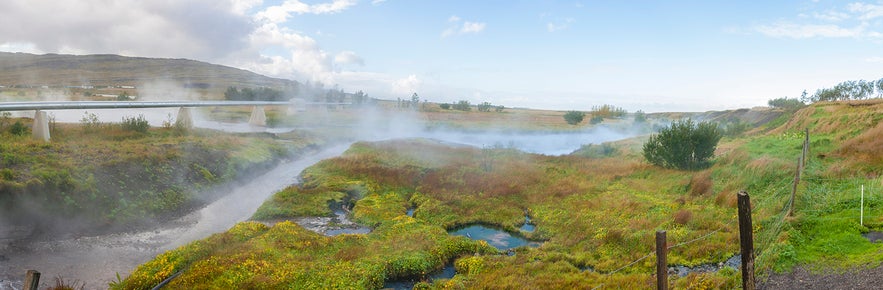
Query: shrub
(596, 119)
(608, 111)
(574, 117)
(683, 145)
(683, 216)
(484, 107)
(463, 105)
(18, 129)
(640, 117)
(445, 106)
(136, 124)
(90, 122)
(786, 103)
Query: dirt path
(800, 278)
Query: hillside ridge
(55, 70)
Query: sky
(563, 55)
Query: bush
(608, 111)
(786, 104)
(640, 117)
(18, 129)
(445, 106)
(90, 122)
(683, 145)
(138, 124)
(574, 117)
(484, 107)
(463, 105)
(596, 119)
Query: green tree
(574, 117)
(463, 105)
(786, 104)
(640, 117)
(484, 107)
(683, 145)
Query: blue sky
(650, 55)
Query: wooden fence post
(794, 188)
(661, 261)
(746, 240)
(32, 280)
(806, 144)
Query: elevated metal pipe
(40, 129)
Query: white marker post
(862, 211)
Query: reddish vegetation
(683, 216)
(701, 184)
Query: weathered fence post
(32, 280)
(746, 240)
(661, 261)
(805, 145)
(794, 187)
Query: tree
(640, 116)
(574, 117)
(463, 105)
(445, 106)
(786, 104)
(484, 107)
(683, 145)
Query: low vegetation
(574, 117)
(120, 174)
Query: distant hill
(58, 70)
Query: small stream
(734, 262)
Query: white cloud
(458, 26)
(348, 57)
(281, 13)
(203, 29)
(875, 59)
(831, 16)
(377, 2)
(406, 85)
(792, 30)
(472, 27)
(866, 11)
(26, 47)
(242, 7)
(560, 25)
(853, 20)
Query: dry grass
(701, 184)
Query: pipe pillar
(184, 119)
(40, 128)
(258, 117)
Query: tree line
(845, 91)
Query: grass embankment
(106, 175)
(598, 208)
(846, 153)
